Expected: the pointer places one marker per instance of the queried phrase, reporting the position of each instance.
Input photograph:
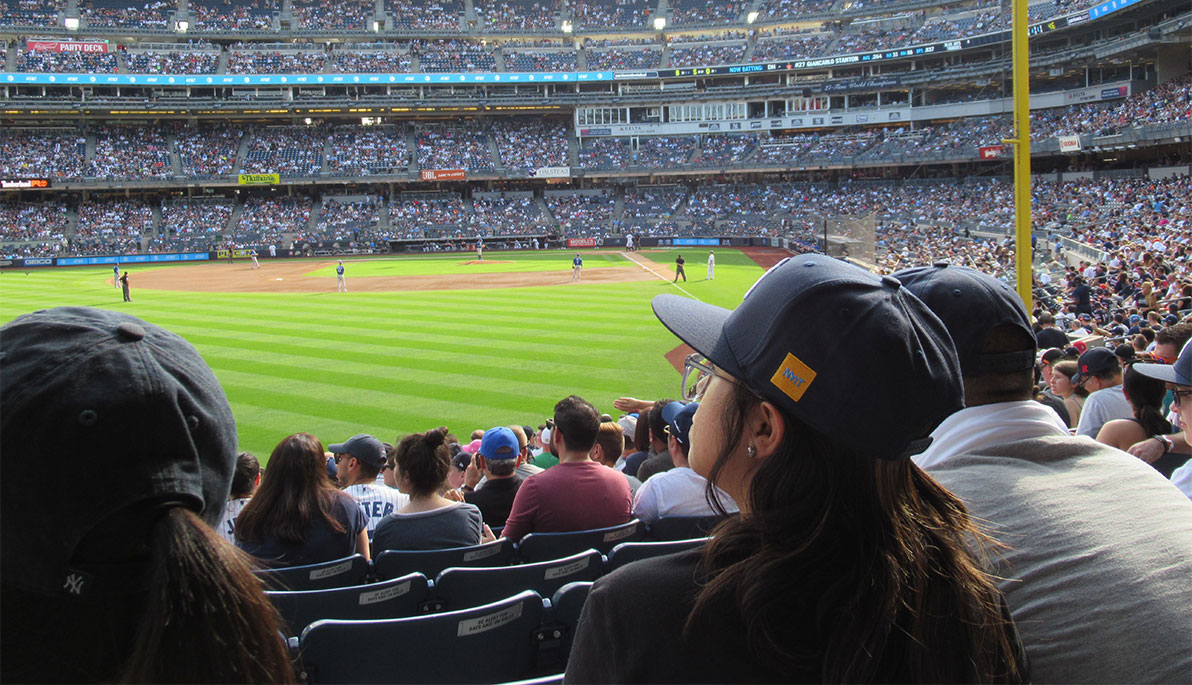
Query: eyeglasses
(697, 374)
(1179, 396)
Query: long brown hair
(872, 551)
(294, 491)
(203, 616)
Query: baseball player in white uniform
(711, 265)
(340, 281)
(255, 263)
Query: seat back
(566, 606)
(670, 528)
(351, 570)
(396, 563)
(396, 598)
(627, 552)
(544, 546)
(459, 588)
(486, 644)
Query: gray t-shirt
(1097, 567)
(455, 525)
(1103, 405)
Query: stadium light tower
(659, 23)
(1022, 153)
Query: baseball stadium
(481, 341)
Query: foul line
(627, 256)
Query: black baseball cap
(815, 336)
(364, 447)
(1094, 362)
(128, 410)
(971, 304)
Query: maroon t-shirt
(568, 497)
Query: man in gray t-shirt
(1100, 372)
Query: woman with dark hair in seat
(848, 563)
(297, 516)
(430, 520)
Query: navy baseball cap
(497, 439)
(678, 417)
(1179, 373)
(364, 447)
(1094, 362)
(971, 304)
(816, 336)
(130, 412)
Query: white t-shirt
(677, 492)
(377, 501)
(1103, 405)
(227, 527)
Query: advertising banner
(552, 172)
(134, 259)
(444, 174)
(990, 151)
(64, 46)
(258, 179)
(1069, 143)
(22, 183)
(581, 242)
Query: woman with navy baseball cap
(847, 562)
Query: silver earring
(751, 451)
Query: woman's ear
(767, 426)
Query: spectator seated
(200, 59)
(798, 46)
(564, 59)
(289, 150)
(629, 13)
(45, 61)
(126, 13)
(343, 217)
(604, 153)
(276, 62)
(443, 146)
(517, 15)
(663, 151)
(368, 150)
(33, 153)
(356, 15)
(704, 54)
(427, 214)
(208, 151)
(130, 152)
(778, 9)
(653, 201)
(438, 15)
(112, 226)
(723, 150)
(507, 214)
(603, 55)
(31, 12)
(37, 223)
(455, 56)
(264, 219)
(529, 145)
(233, 15)
(371, 58)
(580, 211)
(703, 12)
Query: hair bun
(436, 437)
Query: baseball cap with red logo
(1095, 362)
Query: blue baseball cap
(497, 439)
(678, 417)
(814, 335)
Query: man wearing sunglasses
(1179, 381)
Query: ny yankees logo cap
(130, 421)
(824, 340)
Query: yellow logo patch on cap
(793, 377)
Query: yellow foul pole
(1022, 152)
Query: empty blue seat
(543, 546)
(486, 644)
(394, 563)
(683, 527)
(395, 598)
(351, 570)
(460, 588)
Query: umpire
(679, 262)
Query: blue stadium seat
(627, 552)
(683, 527)
(460, 588)
(556, 635)
(543, 546)
(487, 644)
(394, 563)
(351, 570)
(395, 598)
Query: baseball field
(417, 341)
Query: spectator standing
(577, 493)
(358, 462)
(1049, 336)
(1078, 521)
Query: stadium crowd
(173, 62)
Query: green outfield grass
(336, 364)
(494, 262)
